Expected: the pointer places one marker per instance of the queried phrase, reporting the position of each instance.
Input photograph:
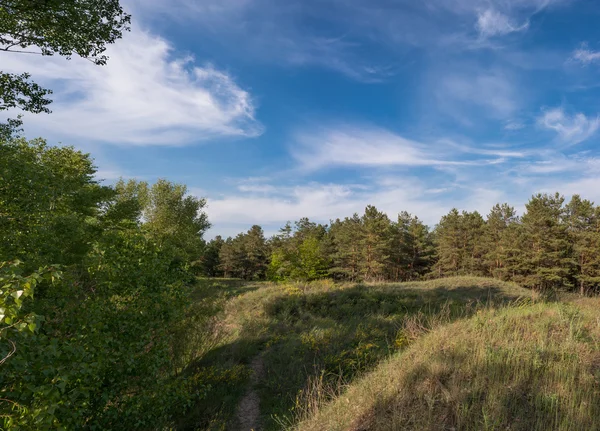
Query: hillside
(527, 368)
(276, 352)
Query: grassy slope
(315, 337)
(534, 367)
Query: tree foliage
(48, 27)
(89, 344)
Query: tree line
(553, 245)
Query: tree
(245, 256)
(282, 254)
(48, 27)
(496, 239)
(128, 203)
(174, 217)
(545, 261)
(257, 253)
(375, 244)
(459, 244)
(412, 251)
(48, 202)
(298, 253)
(583, 221)
(310, 263)
(210, 262)
(448, 243)
(346, 237)
(94, 348)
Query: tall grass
(533, 367)
(316, 338)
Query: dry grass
(533, 367)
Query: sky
(276, 110)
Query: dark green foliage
(48, 27)
(48, 203)
(64, 27)
(245, 256)
(412, 249)
(346, 237)
(17, 91)
(459, 245)
(499, 242)
(210, 262)
(375, 244)
(90, 344)
(546, 260)
(583, 221)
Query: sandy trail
(248, 411)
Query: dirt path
(248, 411)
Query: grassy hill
(274, 354)
(534, 367)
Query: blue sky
(274, 110)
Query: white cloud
(585, 55)
(367, 146)
(493, 23)
(571, 129)
(588, 188)
(323, 202)
(144, 95)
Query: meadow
(456, 353)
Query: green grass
(534, 367)
(315, 338)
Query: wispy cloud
(492, 23)
(146, 94)
(570, 129)
(585, 55)
(367, 146)
(345, 36)
(325, 201)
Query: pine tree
(375, 244)
(246, 256)
(256, 252)
(545, 261)
(412, 249)
(282, 250)
(459, 247)
(210, 264)
(229, 258)
(421, 249)
(346, 236)
(583, 221)
(472, 229)
(448, 237)
(497, 240)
